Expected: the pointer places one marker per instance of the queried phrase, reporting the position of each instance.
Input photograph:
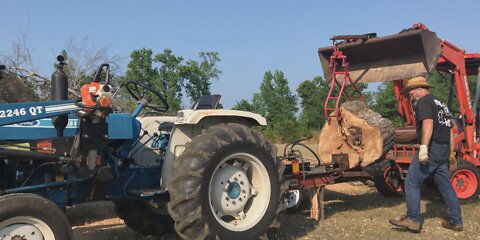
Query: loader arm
(24, 112)
(455, 60)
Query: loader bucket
(395, 57)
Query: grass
(364, 214)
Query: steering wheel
(138, 90)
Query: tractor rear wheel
(226, 185)
(24, 214)
(145, 217)
(464, 180)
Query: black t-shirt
(429, 107)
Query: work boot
(455, 227)
(405, 223)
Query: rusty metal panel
(394, 57)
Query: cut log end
(361, 133)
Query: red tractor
(412, 52)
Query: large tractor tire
(226, 185)
(29, 216)
(145, 217)
(390, 184)
(464, 180)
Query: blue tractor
(204, 173)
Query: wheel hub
(460, 182)
(22, 231)
(231, 191)
(239, 191)
(292, 198)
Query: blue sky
(251, 37)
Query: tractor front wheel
(464, 180)
(225, 185)
(29, 216)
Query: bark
(361, 133)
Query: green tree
(199, 75)
(173, 77)
(259, 104)
(280, 107)
(140, 67)
(386, 103)
(244, 105)
(312, 94)
(16, 89)
(442, 84)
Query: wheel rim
(292, 198)
(239, 191)
(25, 227)
(464, 183)
(392, 180)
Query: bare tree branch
(83, 59)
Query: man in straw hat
(433, 123)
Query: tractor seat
(405, 134)
(166, 126)
(207, 102)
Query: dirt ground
(353, 210)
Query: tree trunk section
(362, 134)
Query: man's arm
(427, 131)
(452, 142)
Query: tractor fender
(195, 116)
(190, 123)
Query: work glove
(423, 154)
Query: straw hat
(416, 82)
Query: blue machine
(120, 126)
(79, 158)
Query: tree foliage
(277, 104)
(280, 107)
(312, 94)
(386, 103)
(199, 75)
(172, 76)
(15, 89)
(244, 105)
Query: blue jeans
(437, 167)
